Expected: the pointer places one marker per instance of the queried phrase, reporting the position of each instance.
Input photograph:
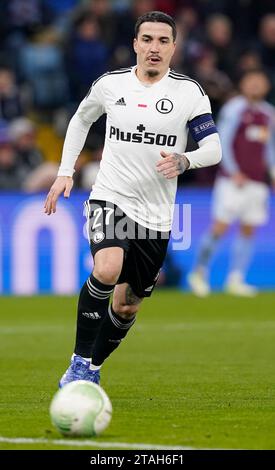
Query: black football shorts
(144, 249)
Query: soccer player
(150, 110)
(246, 128)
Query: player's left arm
(204, 132)
(174, 164)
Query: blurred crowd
(52, 50)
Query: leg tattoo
(131, 298)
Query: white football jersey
(142, 120)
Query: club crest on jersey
(98, 237)
(164, 106)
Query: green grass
(196, 373)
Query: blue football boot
(93, 376)
(77, 371)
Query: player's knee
(247, 230)
(126, 311)
(219, 229)
(107, 274)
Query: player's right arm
(89, 110)
(62, 184)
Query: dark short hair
(156, 17)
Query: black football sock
(92, 309)
(113, 329)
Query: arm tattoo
(131, 298)
(182, 161)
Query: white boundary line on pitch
(89, 443)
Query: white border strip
(89, 443)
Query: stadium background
(50, 52)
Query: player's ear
(174, 44)
(135, 45)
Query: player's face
(154, 47)
(255, 86)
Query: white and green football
(81, 409)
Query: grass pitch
(195, 373)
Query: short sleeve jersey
(142, 121)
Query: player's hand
(172, 164)
(61, 184)
(239, 179)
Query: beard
(152, 73)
